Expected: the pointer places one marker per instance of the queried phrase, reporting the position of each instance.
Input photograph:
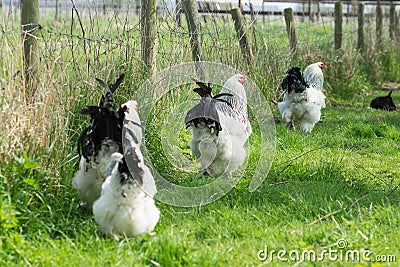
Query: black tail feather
(107, 100)
(117, 83)
(294, 81)
(204, 90)
(106, 122)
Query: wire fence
(113, 35)
(87, 42)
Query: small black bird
(384, 102)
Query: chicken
(220, 127)
(98, 142)
(124, 208)
(302, 102)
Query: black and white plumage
(206, 111)
(220, 127)
(123, 208)
(98, 142)
(302, 102)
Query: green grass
(347, 177)
(340, 182)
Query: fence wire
(88, 41)
(99, 40)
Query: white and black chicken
(220, 127)
(97, 143)
(118, 188)
(303, 98)
(124, 208)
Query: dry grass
(29, 125)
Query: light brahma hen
(220, 127)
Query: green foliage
(8, 216)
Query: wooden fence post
(29, 27)
(354, 7)
(379, 23)
(338, 25)
(360, 43)
(263, 12)
(392, 23)
(56, 14)
(241, 33)
(192, 18)
(290, 28)
(253, 22)
(148, 30)
(252, 13)
(398, 26)
(178, 12)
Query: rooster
(220, 127)
(98, 142)
(124, 208)
(303, 98)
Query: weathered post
(178, 12)
(354, 6)
(290, 28)
(148, 33)
(29, 27)
(252, 13)
(392, 22)
(192, 18)
(56, 15)
(397, 26)
(241, 33)
(263, 12)
(338, 24)
(253, 22)
(379, 23)
(360, 43)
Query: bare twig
(83, 32)
(393, 190)
(299, 156)
(339, 210)
(370, 173)
(282, 182)
(375, 176)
